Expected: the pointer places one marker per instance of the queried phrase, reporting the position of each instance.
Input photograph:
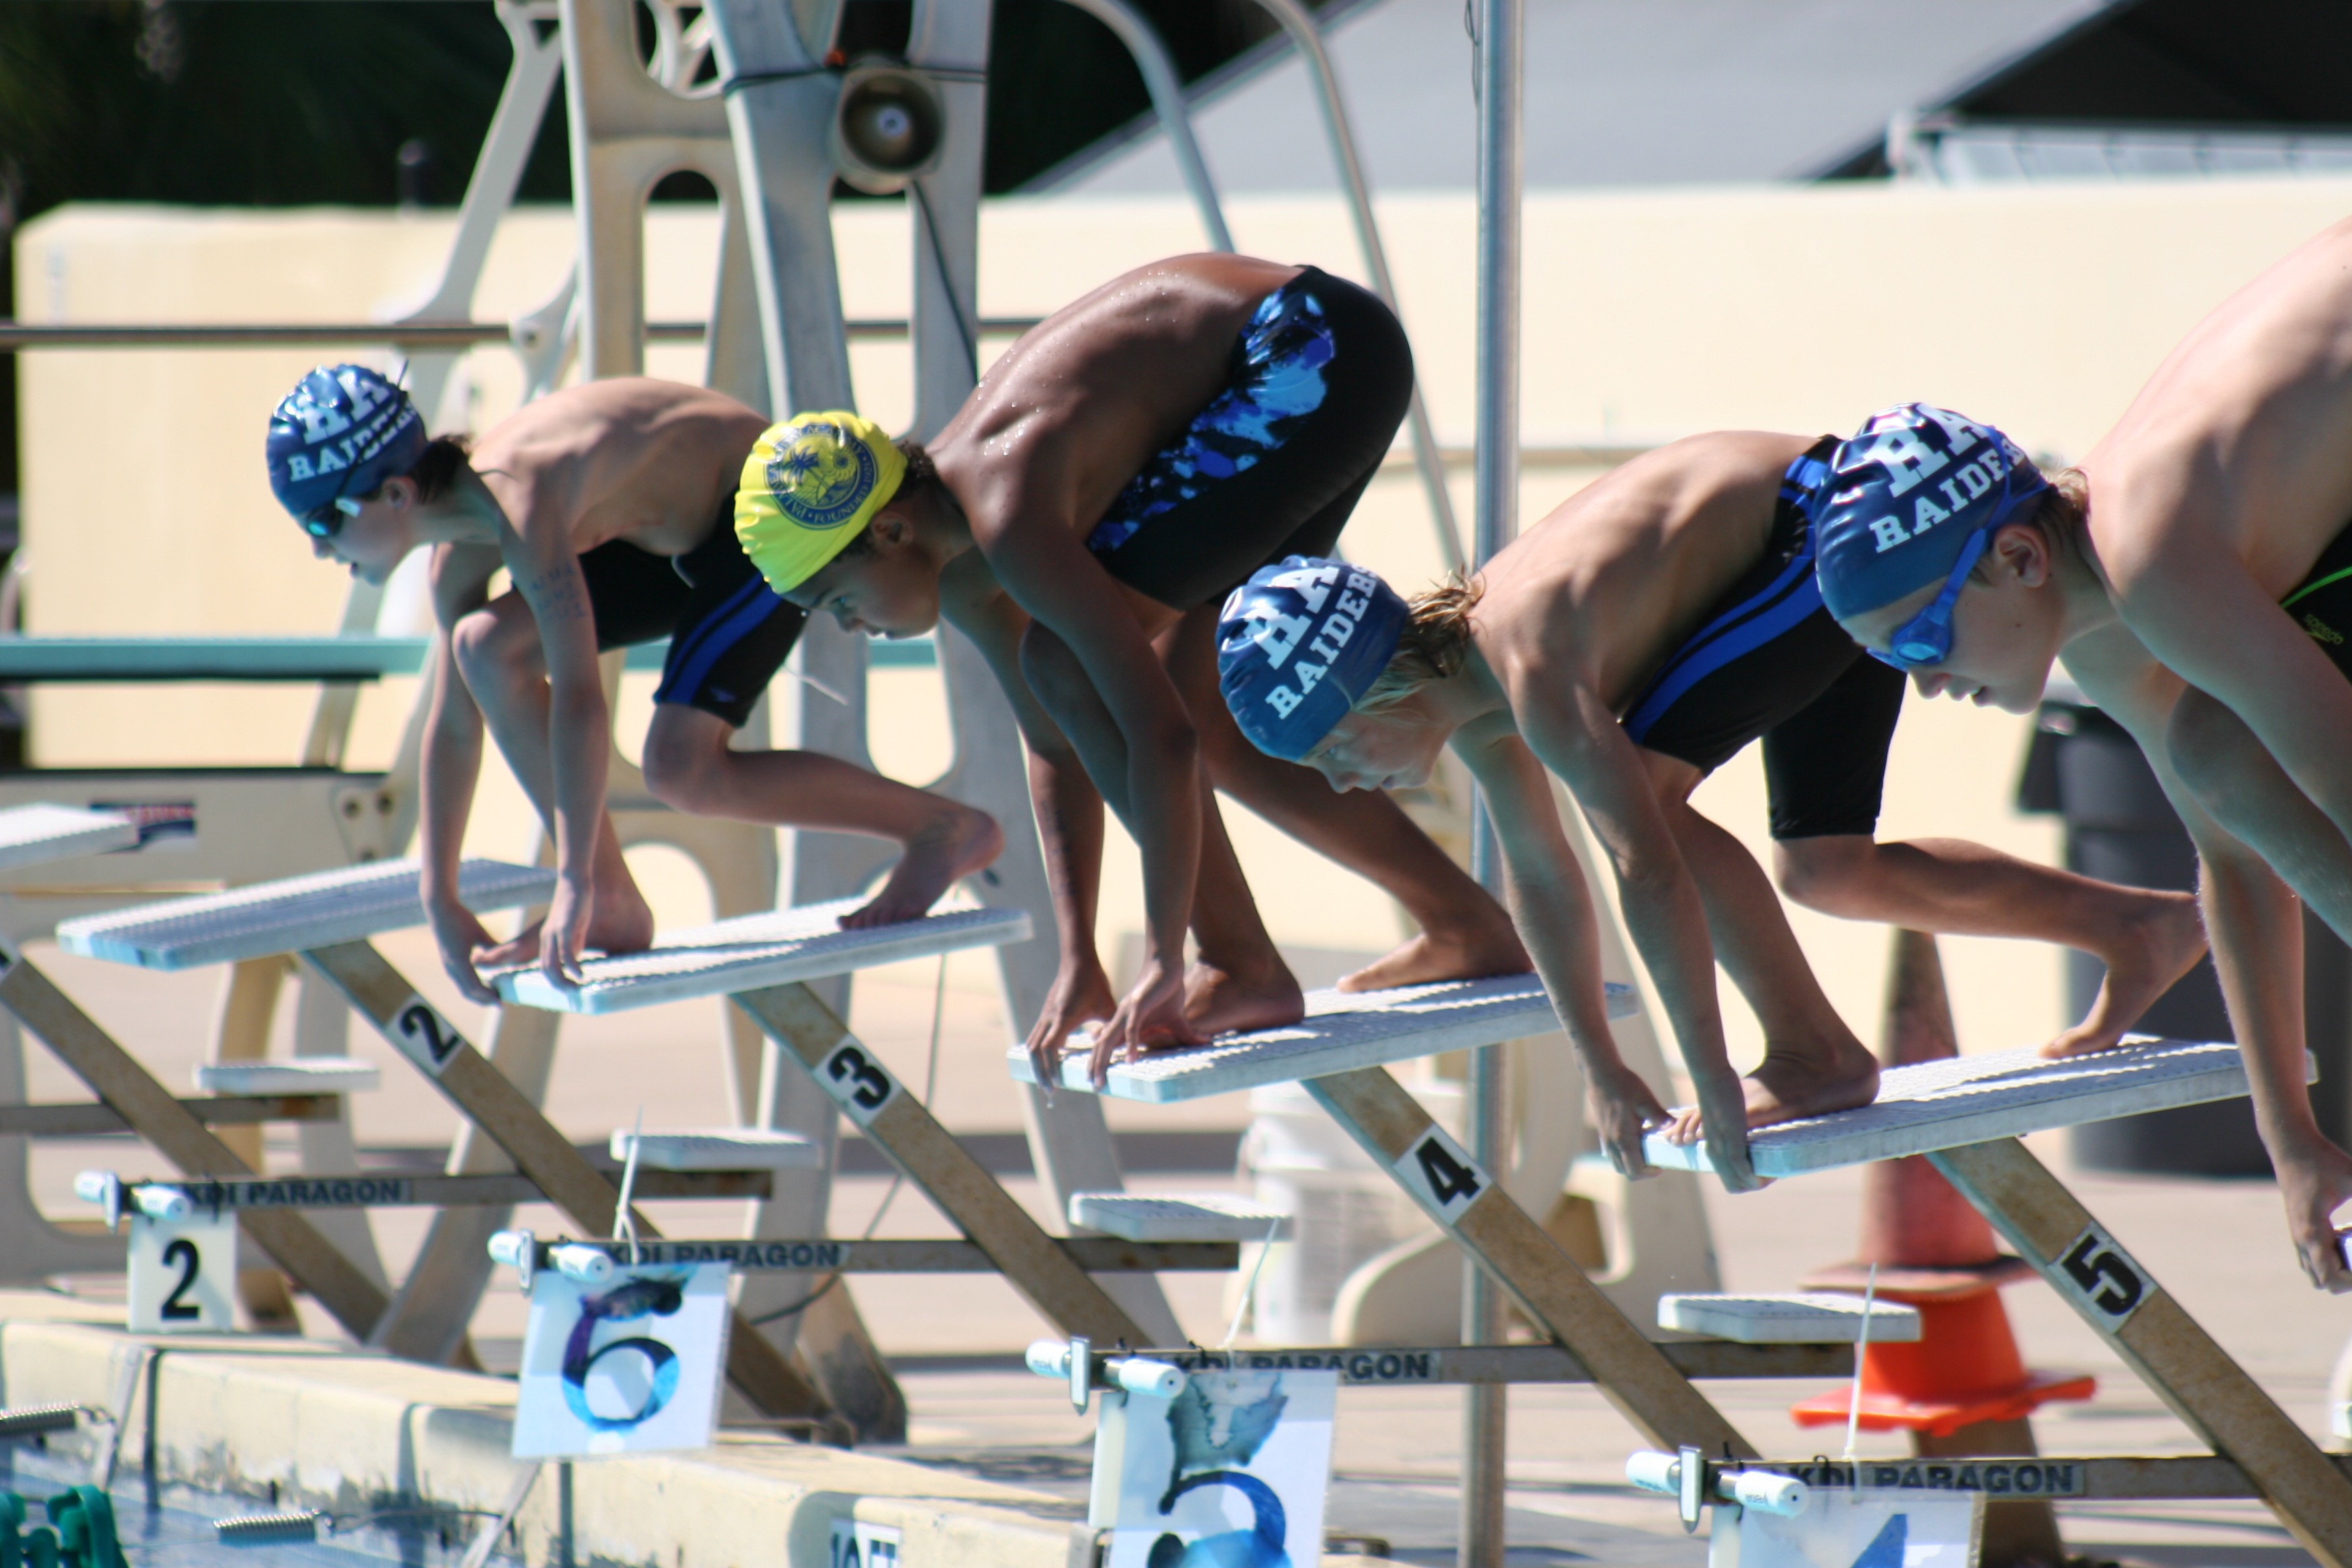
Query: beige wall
(1650, 314)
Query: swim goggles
(1926, 639)
(326, 522)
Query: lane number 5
(2102, 1275)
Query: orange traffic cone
(1961, 1388)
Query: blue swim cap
(1296, 645)
(1904, 498)
(342, 432)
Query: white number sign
(857, 1544)
(183, 1273)
(628, 1366)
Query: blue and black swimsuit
(1765, 660)
(1319, 381)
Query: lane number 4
(1437, 1171)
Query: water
(170, 1527)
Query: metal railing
(19, 335)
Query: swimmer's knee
(681, 759)
(1821, 873)
(494, 650)
(1049, 666)
(2201, 741)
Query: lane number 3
(861, 1084)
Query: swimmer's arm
(1049, 574)
(2205, 619)
(1550, 900)
(1577, 737)
(1069, 809)
(540, 558)
(2252, 917)
(450, 762)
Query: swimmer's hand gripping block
(751, 952)
(1342, 1031)
(1974, 1100)
(295, 914)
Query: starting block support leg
(2158, 1339)
(337, 1283)
(428, 1317)
(483, 1094)
(248, 998)
(1473, 1207)
(903, 1128)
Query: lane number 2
(862, 1085)
(2103, 1277)
(1440, 1174)
(183, 1273)
(424, 1035)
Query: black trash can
(2120, 828)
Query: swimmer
(2195, 575)
(1631, 643)
(609, 506)
(1116, 473)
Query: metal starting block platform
(1342, 1031)
(1805, 1319)
(130, 1098)
(1341, 1052)
(1201, 1216)
(1966, 1115)
(761, 963)
(1975, 1099)
(327, 919)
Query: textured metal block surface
(723, 1148)
(302, 1075)
(1342, 1031)
(1974, 1100)
(751, 952)
(1167, 1216)
(293, 915)
(1799, 1319)
(37, 835)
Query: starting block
(761, 963)
(1966, 1115)
(327, 919)
(1342, 1050)
(133, 1098)
(306, 1075)
(1199, 1216)
(1805, 1319)
(1342, 1031)
(725, 1149)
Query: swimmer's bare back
(651, 462)
(1626, 568)
(2242, 439)
(1078, 405)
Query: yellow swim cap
(809, 486)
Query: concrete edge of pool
(350, 1431)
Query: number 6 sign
(631, 1366)
(183, 1273)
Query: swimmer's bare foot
(1810, 1080)
(620, 922)
(2155, 951)
(1220, 1001)
(1468, 951)
(960, 842)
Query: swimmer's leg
(2147, 938)
(691, 767)
(1463, 932)
(1237, 980)
(1812, 1062)
(500, 657)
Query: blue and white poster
(629, 1366)
(1862, 1527)
(1231, 1473)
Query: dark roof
(1701, 92)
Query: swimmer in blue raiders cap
(2195, 574)
(611, 507)
(1630, 643)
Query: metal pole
(1300, 26)
(1485, 1408)
(1167, 91)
